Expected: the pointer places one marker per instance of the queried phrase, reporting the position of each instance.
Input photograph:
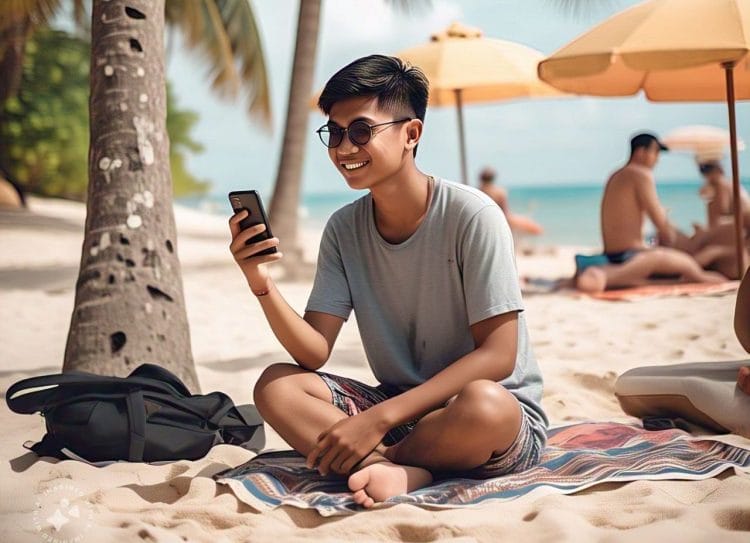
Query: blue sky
(576, 141)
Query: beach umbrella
(672, 50)
(706, 142)
(465, 67)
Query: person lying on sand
(629, 197)
(460, 390)
(519, 224)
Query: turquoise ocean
(568, 213)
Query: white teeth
(354, 165)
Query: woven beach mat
(577, 457)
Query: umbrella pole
(738, 215)
(461, 139)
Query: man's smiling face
(364, 166)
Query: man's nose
(347, 147)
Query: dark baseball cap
(644, 139)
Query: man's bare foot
(382, 480)
(592, 279)
(743, 379)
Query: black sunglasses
(359, 132)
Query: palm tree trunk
(286, 195)
(129, 304)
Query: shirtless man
(629, 197)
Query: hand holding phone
(253, 244)
(250, 201)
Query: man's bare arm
(649, 201)
(494, 358)
(308, 340)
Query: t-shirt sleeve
(490, 279)
(330, 293)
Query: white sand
(582, 346)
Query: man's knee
(271, 379)
(283, 384)
(487, 402)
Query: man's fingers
(324, 466)
(239, 240)
(314, 454)
(343, 463)
(267, 259)
(234, 220)
(255, 248)
(312, 458)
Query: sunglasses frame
(327, 129)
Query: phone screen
(256, 214)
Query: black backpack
(148, 416)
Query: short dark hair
(708, 167)
(487, 175)
(399, 87)
(645, 140)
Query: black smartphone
(256, 214)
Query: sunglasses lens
(330, 136)
(359, 132)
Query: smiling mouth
(355, 165)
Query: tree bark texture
(284, 214)
(129, 303)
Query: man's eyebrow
(360, 118)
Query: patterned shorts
(352, 397)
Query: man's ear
(413, 133)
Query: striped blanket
(577, 457)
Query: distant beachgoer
(717, 193)
(629, 197)
(714, 246)
(518, 223)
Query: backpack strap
(55, 389)
(152, 371)
(136, 425)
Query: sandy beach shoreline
(582, 346)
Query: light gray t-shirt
(415, 300)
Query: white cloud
(378, 21)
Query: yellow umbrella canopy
(483, 69)
(465, 67)
(673, 50)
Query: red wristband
(259, 293)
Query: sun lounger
(704, 393)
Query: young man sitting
(427, 266)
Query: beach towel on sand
(661, 290)
(577, 457)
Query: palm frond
(225, 33)
(38, 12)
(584, 9)
(80, 15)
(410, 7)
